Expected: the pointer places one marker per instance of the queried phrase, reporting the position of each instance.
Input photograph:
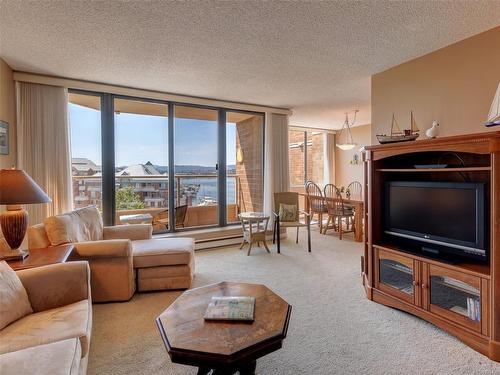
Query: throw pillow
(14, 302)
(80, 225)
(287, 212)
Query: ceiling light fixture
(345, 141)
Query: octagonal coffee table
(222, 347)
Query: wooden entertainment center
(461, 298)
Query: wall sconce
(239, 156)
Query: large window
(306, 157)
(139, 160)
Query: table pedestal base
(246, 369)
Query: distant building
(87, 183)
(84, 167)
(146, 180)
(151, 185)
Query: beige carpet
(334, 329)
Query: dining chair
(356, 190)
(337, 211)
(300, 219)
(316, 202)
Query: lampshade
(16, 187)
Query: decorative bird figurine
(433, 132)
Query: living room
(249, 187)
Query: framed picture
(4, 138)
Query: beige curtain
(329, 152)
(43, 145)
(276, 175)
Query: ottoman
(166, 263)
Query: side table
(254, 225)
(42, 257)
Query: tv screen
(444, 213)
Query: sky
(143, 138)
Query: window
(196, 165)
(244, 159)
(85, 129)
(306, 157)
(139, 160)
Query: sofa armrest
(131, 232)
(103, 249)
(56, 285)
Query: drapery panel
(329, 159)
(44, 145)
(276, 173)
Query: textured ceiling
(313, 57)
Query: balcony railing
(202, 213)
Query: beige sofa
(55, 339)
(122, 258)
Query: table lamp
(17, 188)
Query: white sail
(413, 126)
(494, 114)
(394, 126)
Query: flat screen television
(440, 218)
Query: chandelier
(345, 141)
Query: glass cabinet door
(456, 296)
(397, 276)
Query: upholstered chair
(54, 337)
(107, 249)
(295, 218)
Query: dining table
(355, 202)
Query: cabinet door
(459, 297)
(398, 275)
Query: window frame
(306, 158)
(108, 154)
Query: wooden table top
(352, 200)
(43, 257)
(190, 339)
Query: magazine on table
(231, 308)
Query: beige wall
(8, 112)
(345, 172)
(454, 85)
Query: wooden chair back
(315, 197)
(180, 215)
(334, 206)
(287, 197)
(356, 190)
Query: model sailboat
(396, 134)
(494, 115)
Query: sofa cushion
(14, 302)
(80, 225)
(70, 321)
(57, 358)
(162, 252)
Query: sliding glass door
(141, 163)
(196, 143)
